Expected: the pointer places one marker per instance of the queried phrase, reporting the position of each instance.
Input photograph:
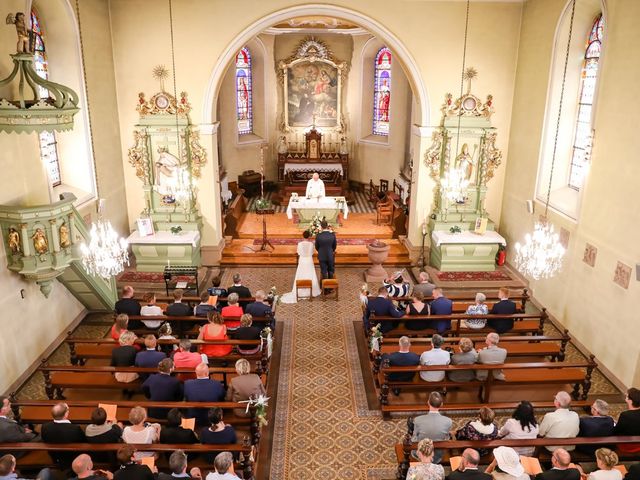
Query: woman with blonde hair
(466, 356)
(140, 431)
(426, 469)
(214, 330)
(247, 332)
(245, 386)
(605, 459)
(120, 325)
(125, 356)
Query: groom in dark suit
(326, 247)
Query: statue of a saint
(14, 240)
(21, 29)
(344, 149)
(64, 236)
(40, 241)
(167, 167)
(464, 162)
(282, 145)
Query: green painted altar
(461, 233)
(167, 157)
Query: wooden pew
(82, 349)
(403, 450)
(39, 411)
(523, 323)
(178, 323)
(526, 346)
(534, 373)
(38, 457)
(163, 298)
(57, 377)
(520, 299)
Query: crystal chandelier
(184, 190)
(541, 255)
(106, 254)
(454, 185)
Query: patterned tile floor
(323, 427)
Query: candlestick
(261, 171)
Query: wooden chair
(304, 284)
(384, 212)
(384, 185)
(329, 284)
(373, 192)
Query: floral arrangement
(272, 297)
(176, 229)
(262, 204)
(261, 404)
(455, 229)
(374, 339)
(314, 227)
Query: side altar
(463, 238)
(167, 157)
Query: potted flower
(176, 229)
(262, 204)
(455, 229)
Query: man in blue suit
(382, 306)
(202, 389)
(162, 387)
(504, 307)
(150, 357)
(441, 306)
(260, 308)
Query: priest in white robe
(315, 187)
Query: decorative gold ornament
(65, 242)
(490, 156)
(198, 153)
(40, 241)
(138, 155)
(160, 73)
(14, 240)
(432, 155)
(163, 103)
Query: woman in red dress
(214, 330)
(233, 309)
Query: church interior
(158, 152)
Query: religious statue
(167, 167)
(464, 162)
(64, 236)
(14, 240)
(40, 241)
(344, 149)
(21, 29)
(282, 144)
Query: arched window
(48, 143)
(382, 92)
(582, 139)
(244, 100)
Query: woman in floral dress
(425, 470)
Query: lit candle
(424, 227)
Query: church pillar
(422, 187)
(209, 198)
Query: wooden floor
(242, 251)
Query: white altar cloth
(440, 236)
(317, 167)
(316, 204)
(186, 236)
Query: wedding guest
(8, 469)
(247, 332)
(599, 424)
(130, 469)
(562, 469)
(466, 356)
(178, 467)
(245, 386)
(478, 308)
(10, 430)
(204, 307)
(417, 307)
(150, 309)
(82, 466)
(491, 355)
(202, 389)
(177, 308)
(504, 307)
(162, 387)
(237, 287)
(433, 425)
(468, 469)
(101, 430)
(125, 356)
(150, 356)
(396, 286)
(216, 290)
(233, 309)
(140, 432)
(521, 425)
(259, 308)
(165, 333)
(404, 357)
(435, 356)
(426, 469)
(441, 306)
(184, 357)
(425, 286)
(629, 421)
(605, 460)
(483, 428)
(218, 433)
(223, 465)
(61, 430)
(127, 304)
(119, 326)
(214, 330)
(174, 432)
(561, 423)
(506, 465)
(382, 306)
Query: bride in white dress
(306, 271)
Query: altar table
(314, 167)
(327, 207)
(156, 251)
(465, 251)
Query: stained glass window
(582, 140)
(48, 143)
(244, 100)
(382, 92)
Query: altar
(327, 207)
(154, 252)
(465, 251)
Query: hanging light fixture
(107, 253)
(541, 255)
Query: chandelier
(541, 255)
(184, 189)
(107, 253)
(454, 185)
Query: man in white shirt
(562, 423)
(315, 187)
(435, 356)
